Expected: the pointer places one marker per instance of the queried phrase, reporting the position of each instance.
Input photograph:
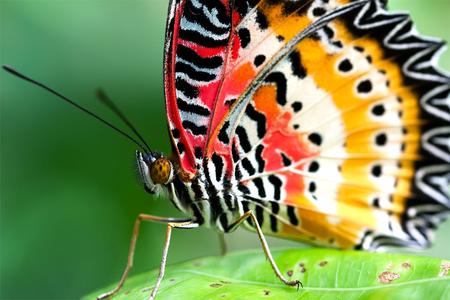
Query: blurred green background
(69, 193)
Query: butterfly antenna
(71, 102)
(101, 95)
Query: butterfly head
(155, 170)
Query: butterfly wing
(342, 140)
(329, 119)
(210, 61)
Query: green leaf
(325, 274)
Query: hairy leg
(265, 246)
(137, 224)
(162, 267)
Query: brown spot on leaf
(445, 267)
(215, 285)
(406, 265)
(289, 273)
(388, 277)
(225, 282)
(266, 292)
(323, 263)
(302, 269)
(126, 292)
(301, 264)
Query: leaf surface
(325, 274)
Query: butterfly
(322, 121)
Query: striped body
(218, 206)
(328, 119)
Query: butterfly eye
(161, 171)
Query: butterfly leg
(137, 224)
(265, 246)
(162, 267)
(223, 244)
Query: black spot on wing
(376, 170)
(259, 118)
(234, 153)
(259, 60)
(180, 147)
(337, 44)
(364, 86)
(345, 65)
(376, 202)
(260, 186)
(359, 49)
(381, 139)
(328, 32)
(313, 167)
(248, 166)
(176, 133)
(297, 106)
(276, 182)
(244, 36)
(196, 130)
(378, 110)
(262, 20)
(223, 135)
(243, 138)
(280, 80)
(218, 164)
(292, 215)
(259, 159)
(315, 138)
(318, 11)
(296, 65)
(312, 187)
(286, 160)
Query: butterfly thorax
(210, 203)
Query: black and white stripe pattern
(206, 23)
(196, 69)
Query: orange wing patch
(374, 116)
